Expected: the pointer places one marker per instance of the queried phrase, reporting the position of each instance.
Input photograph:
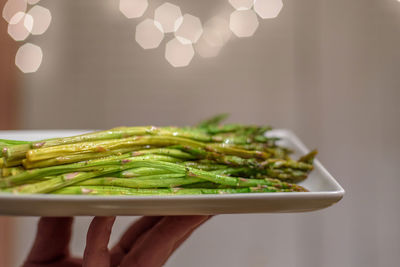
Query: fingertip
(104, 220)
(96, 252)
(155, 247)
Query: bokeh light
(190, 29)
(28, 22)
(178, 54)
(33, 2)
(167, 14)
(218, 29)
(20, 26)
(149, 34)
(41, 19)
(243, 23)
(268, 9)
(205, 49)
(241, 4)
(215, 34)
(12, 7)
(133, 8)
(28, 58)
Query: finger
(186, 236)
(154, 248)
(129, 238)
(74, 262)
(52, 240)
(64, 263)
(96, 252)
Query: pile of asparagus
(209, 158)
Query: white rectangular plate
(324, 191)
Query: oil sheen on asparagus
(210, 158)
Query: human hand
(148, 242)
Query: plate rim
(333, 196)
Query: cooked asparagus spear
(113, 190)
(209, 156)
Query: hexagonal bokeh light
(28, 58)
(219, 28)
(205, 49)
(178, 54)
(242, 4)
(12, 7)
(149, 34)
(41, 19)
(20, 26)
(133, 8)
(243, 23)
(190, 29)
(215, 34)
(167, 14)
(268, 9)
(32, 2)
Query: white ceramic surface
(324, 191)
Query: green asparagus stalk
(116, 133)
(206, 185)
(18, 149)
(12, 163)
(172, 152)
(54, 183)
(309, 158)
(138, 151)
(172, 167)
(147, 172)
(161, 181)
(11, 171)
(94, 165)
(6, 143)
(238, 181)
(205, 165)
(76, 158)
(86, 178)
(279, 163)
(210, 157)
(138, 172)
(16, 152)
(112, 190)
(102, 146)
(213, 121)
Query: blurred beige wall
(329, 70)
